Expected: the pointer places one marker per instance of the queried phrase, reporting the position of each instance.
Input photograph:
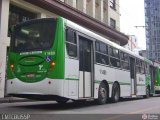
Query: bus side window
(114, 57)
(147, 68)
(124, 60)
(142, 68)
(102, 53)
(138, 68)
(71, 43)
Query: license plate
(31, 75)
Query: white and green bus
(56, 59)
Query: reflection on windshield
(33, 36)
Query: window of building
(71, 43)
(17, 15)
(113, 4)
(112, 23)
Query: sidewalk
(13, 99)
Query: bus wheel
(115, 93)
(102, 94)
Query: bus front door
(133, 76)
(85, 67)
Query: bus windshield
(34, 35)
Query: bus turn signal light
(52, 65)
(12, 67)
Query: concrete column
(84, 6)
(102, 12)
(72, 3)
(81, 5)
(99, 10)
(91, 8)
(4, 13)
(105, 11)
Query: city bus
(152, 71)
(56, 59)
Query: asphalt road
(126, 109)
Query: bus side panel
(111, 75)
(71, 78)
(141, 84)
(104, 73)
(123, 77)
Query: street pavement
(126, 109)
(13, 99)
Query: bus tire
(102, 94)
(115, 93)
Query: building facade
(132, 44)
(16, 11)
(152, 23)
(106, 11)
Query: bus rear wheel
(102, 94)
(115, 93)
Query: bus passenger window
(138, 69)
(116, 53)
(124, 60)
(101, 53)
(71, 36)
(142, 67)
(97, 46)
(71, 49)
(103, 48)
(114, 57)
(71, 43)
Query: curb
(13, 99)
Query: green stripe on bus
(141, 84)
(71, 79)
(122, 83)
